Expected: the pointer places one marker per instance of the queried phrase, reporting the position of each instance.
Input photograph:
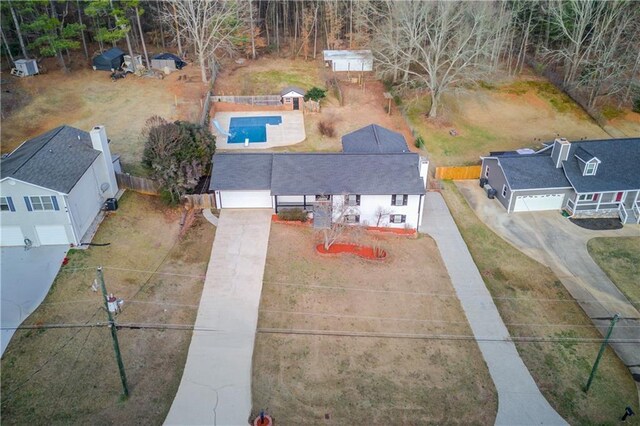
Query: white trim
(71, 221)
(36, 186)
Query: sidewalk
(519, 399)
(216, 383)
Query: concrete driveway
(554, 241)
(25, 279)
(216, 383)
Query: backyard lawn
(340, 379)
(69, 375)
(619, 258)
(533, 302)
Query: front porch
(622, 204)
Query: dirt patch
(85, 98)
(309, 378)
(597, 224)
(69, 375)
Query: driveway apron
(553, 240)
(519, 399)
(216, 383)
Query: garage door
(532, 203)
(52, 234)
(11, 236)
(245, 199)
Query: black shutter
(405, 199)
(403, 218)
(393, 200)
(357, 200)
(357, 218)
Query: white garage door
(52, 234)
(11, 236)
(532, 203)
(245, 199)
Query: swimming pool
(252, 128)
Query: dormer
(587, 162)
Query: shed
(26, 67)
(110, 60)
(293, 97)
(169, 60)
(348, 60)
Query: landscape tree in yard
(439, 45)
(210, 26)
(177, 153)
(330, 218)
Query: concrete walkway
(552, 240)
(519, 399)
(216, 382)
(211, 218)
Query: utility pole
(114, 334)
(614, 320)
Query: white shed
(25, 67)
(348, 60)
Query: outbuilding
(110, 60)
(348, 60)
(293, 97)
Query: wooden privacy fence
(262, 100)
(138, 184)
(458, 173)
(199, 201)
(206, 105)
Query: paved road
(519, 399)
(216, 383)
(25, 279)
(554, 241)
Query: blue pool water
(253, 128)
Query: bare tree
(439, 44)
(209, 26)
(380, 214)
(331, 218)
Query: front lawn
(619, 258)
(70, 375)
(342, 379)
(533, 302)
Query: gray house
(54, 185)
(598, 178)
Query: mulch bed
(598, 224)
(365, 252)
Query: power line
(142, 271)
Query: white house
(53, 186)
(348, 60)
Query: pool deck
(290, 132)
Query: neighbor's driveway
(519, 399)
(553, 240)
(216, 382)
(25, 279)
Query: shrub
(315, 94)
(326, 128)
(419, 143)
(298, 215)
(636, 105)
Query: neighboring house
(599, 178)
(54, 185)
(348, 60)
(374, 139)
(293, 97)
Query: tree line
(589, 48)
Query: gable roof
(532, 171)
(374, 139)
(294, 89)
(618, 170)
(584, 155)
(319, 173)
(55, 160)
(332, 55)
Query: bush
(326, 128)
(419, 143)
(636, 105)
(298, 215)
(315, 94)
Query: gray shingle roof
(619, 167)
(532, 171)
(241, 171)
(318, 173)
(292, 89)
(56, 159)
(374, 139)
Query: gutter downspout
(71, 221)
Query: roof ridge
(375, 136)
(38, 150)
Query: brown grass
(301, 379)
(533, 302)
(70, 376)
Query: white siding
(369, 205)
(352, 64)
(85, 200)
(28, 220)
